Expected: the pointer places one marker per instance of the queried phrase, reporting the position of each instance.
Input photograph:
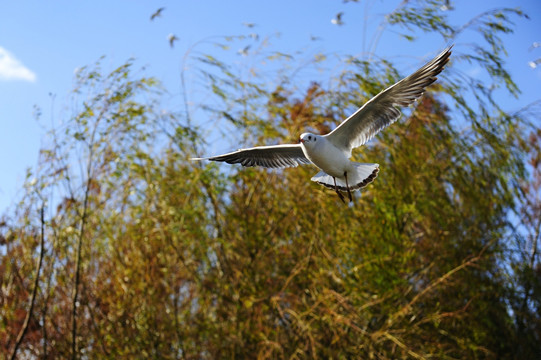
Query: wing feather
(276, 156)
(380, 111)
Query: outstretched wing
(381, 111)
(276, 156)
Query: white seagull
(331, 153)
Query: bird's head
(308, 139)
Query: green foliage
(182, 260)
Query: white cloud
(13, 69)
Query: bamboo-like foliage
(144, 254)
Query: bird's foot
(338, 191)
(340, 196)
(347, 186)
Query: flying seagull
(157, 13)
(172, 38)
(338, 19)
(331, 152)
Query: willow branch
(24, 329)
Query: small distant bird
(331, 152)
(338, 19)
(447, 6)
(172, 38)
(244, 51)
(156, 14)
(249, 25)
(533, 64)
(315, 38)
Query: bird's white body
(337, 170)
(325, 155)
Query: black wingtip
(444, 56)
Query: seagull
(157, 13)
(172, 38)
(534, 45)
(338, 19)
(244, 51)
(331, 152)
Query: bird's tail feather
(363, 175)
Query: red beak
(301, 140)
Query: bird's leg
(347, 186)
(338, 191)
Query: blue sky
(42, 43)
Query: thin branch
(24, 329)
(80, 240)
(403, 346)
(404, 310)
(78, 274)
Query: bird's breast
(327, 157)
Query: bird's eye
(309, 138)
